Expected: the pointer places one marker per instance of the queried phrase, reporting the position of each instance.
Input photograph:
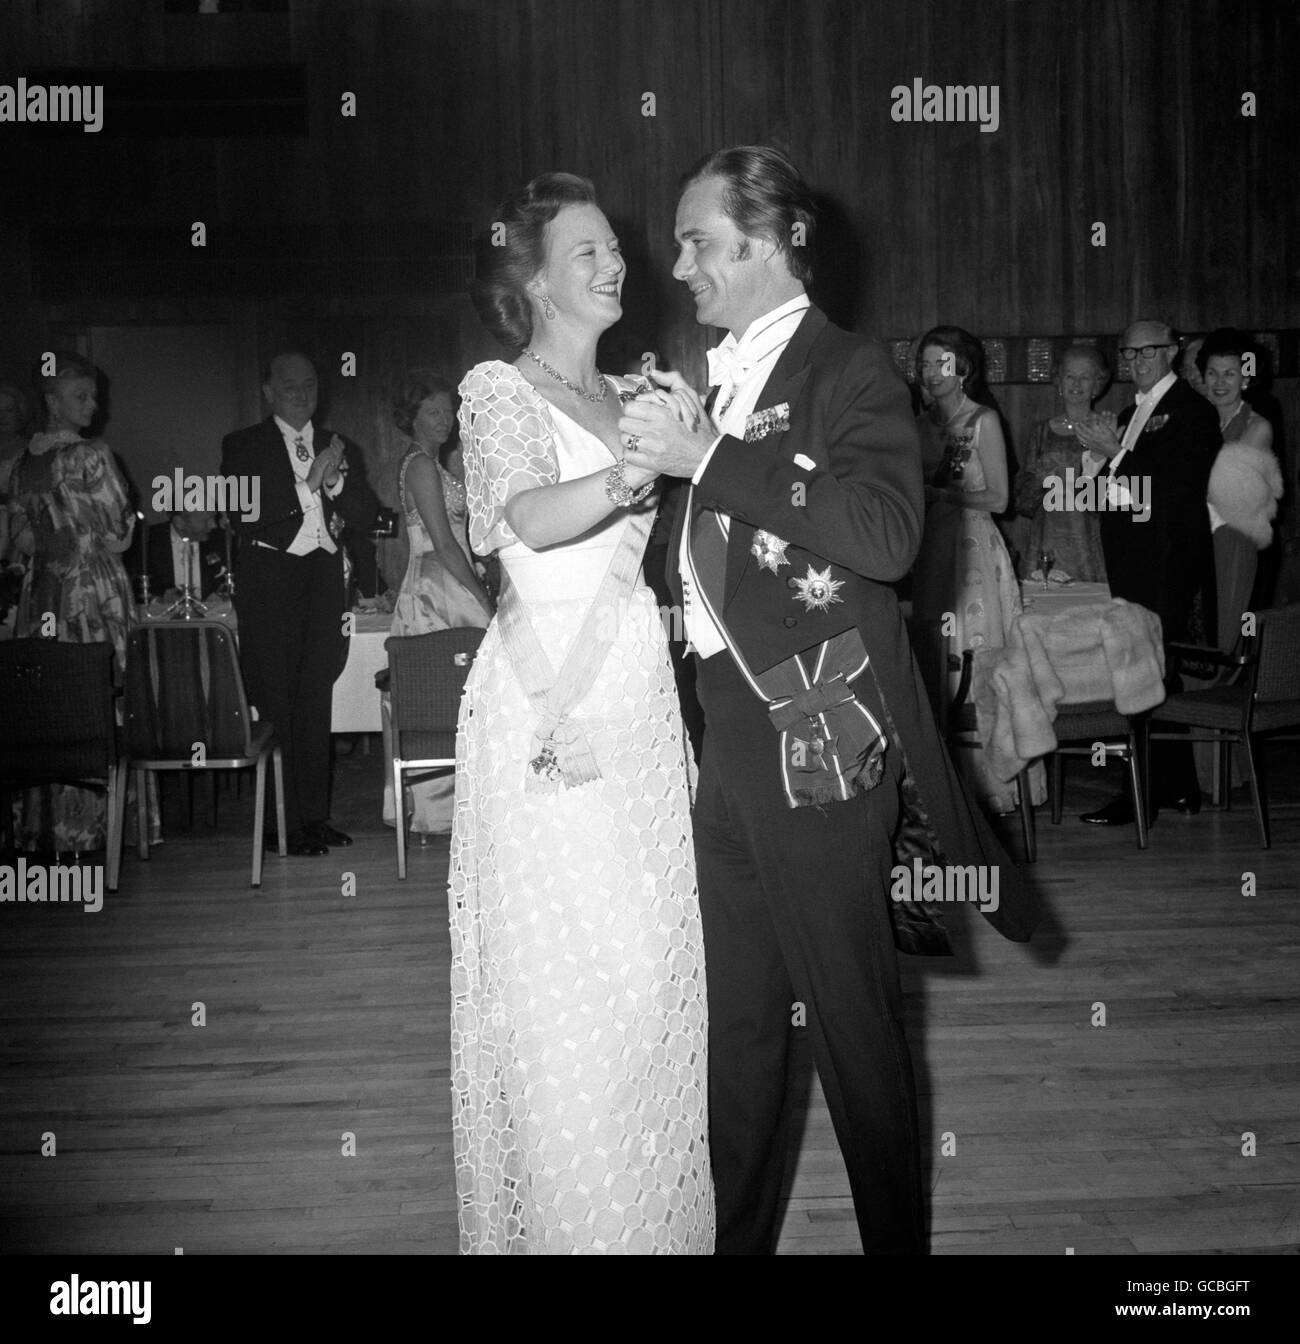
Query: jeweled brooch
(769, 550)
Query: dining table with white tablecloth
(356, 699)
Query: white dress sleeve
(508, 445)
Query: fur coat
(1245, 486)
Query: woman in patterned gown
(578, 997)
(964, 570)
(1072, 536)
(441, 590)
(70, 512)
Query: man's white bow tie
(726, 366)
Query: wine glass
(1046, 559)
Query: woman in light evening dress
(441, 589)
(964, 570)
(578, 996)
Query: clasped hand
(668, 432)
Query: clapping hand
(328, 467)
(667, 432)
(1098, 432)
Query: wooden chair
(955, 714)
(58, 726)
(962, 732)
(427, 675)
(935, 664)
(1125, 736)
(1202, 666)
(184, 692)
(1261, 702)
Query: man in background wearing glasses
(1169, 438)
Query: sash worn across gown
(578, 997)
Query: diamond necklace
(594, 397)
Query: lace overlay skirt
(578, 997)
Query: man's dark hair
(283, 354)
(765, 197)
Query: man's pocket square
(1156, 422)
(774, 420)
(805, 462)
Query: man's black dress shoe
(1117, 812)
(300, 843)
(1188, 806)
(326, 834)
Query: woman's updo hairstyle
(67, 364)
(968, 358)
(1224, 341)
(416, 387)
(1082, 350)
(513, 250)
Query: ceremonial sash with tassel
(561, 752)
(831, 745)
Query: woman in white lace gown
(578, 998)
(441, 589)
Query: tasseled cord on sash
(562, 755)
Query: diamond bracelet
(619, 492)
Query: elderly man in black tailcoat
(289, 589)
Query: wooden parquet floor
(326, 1017)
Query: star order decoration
(817, 590)
(769, 550)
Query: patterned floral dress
(67, 490)
(578, 995)
(1073, 537)
(964, 572)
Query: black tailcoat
(1163, 562)
(292, 644)
(860, 510)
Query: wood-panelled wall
(1127, 115)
